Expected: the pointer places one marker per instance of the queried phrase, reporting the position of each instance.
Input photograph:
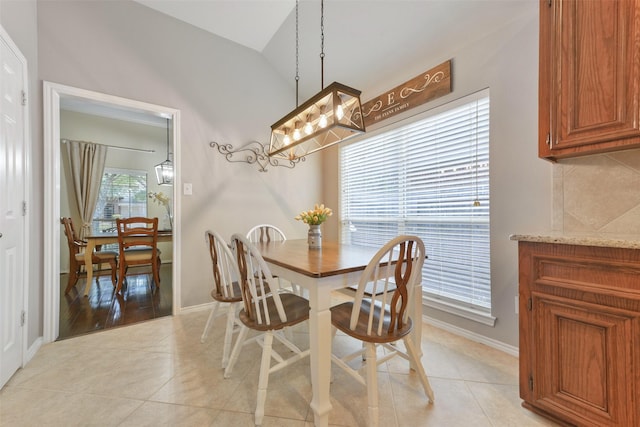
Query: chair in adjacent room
(383, 317)
(226, 290)
(267, 310)
(138, 246)
(77, 267)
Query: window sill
(457, 310)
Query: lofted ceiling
(251, 23)
(372, 45)
(367, 42)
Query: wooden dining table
(321, 271)
(99, 239)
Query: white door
(13, 134)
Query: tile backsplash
(598, 194)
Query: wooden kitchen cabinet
(589, 81)
(580, 333)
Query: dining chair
(226, 290)
(383, 317)
(265, 233)
(138, 245)
(267, 310)
(76, 258)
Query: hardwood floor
(139, 301)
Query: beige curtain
(87, 167)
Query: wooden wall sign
(429, 85)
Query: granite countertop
(626, 242)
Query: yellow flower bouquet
(315, 216)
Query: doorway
(57, 98)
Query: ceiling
(372, 45)
(360, 35)
(251, 23)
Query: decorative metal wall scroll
(253, 152)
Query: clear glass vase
(315, 237)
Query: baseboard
(195, 308)
(498, 345)
(32, 350)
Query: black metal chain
(297, 60)
(321, 44)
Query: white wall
(224, 92)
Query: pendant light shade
(164, 170)
(329, 117)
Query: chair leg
(242, 336)
(263, 382)
(73, 279)
(114, 268)
(207, 326)
(228, 334)
(121, 275)
(156, 272)
(372, 384)
(411, 350)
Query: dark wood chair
(226, 290)
(138, 245)
(382, 317)
(77, 267)
(267, 310)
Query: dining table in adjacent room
(105, 238)
(321, 271)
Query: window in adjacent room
(428, 177)
(123, 193)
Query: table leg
(88, 264)
(320, 357)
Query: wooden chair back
(75, 244)
(138, 233)
(138, 245)
(387, 284)
(260, 290)
(225, 270)
(264, 233)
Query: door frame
(27, 171)
(52, 95)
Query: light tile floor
(158, 373)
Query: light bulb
(323, 121)
(308, 128)
(286, 140)
(339, 112)
(296, 134)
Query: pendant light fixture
(164, 170)
(329, 117)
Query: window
(429, 178)
(123, 193)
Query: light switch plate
(187, 189)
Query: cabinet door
(589, 77)
(583, 361)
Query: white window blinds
(429, 178)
